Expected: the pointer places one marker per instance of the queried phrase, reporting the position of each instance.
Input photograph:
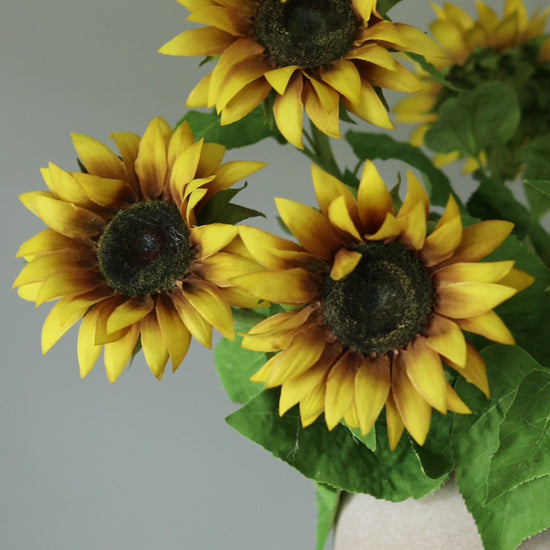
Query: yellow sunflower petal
(394, 422)
(127, 144)
(198, 97)
(43, 242)
(109, 193)
(345, 261)
(280, 77)
(517, 279)
(328, 188)
(65, 218)
(450, 38)
(66, 283)
(117, 354)
(313, 230)
(211, 305)
(175, 335)
(370, 107)
(375, 54)
(455, 404)
(414, 410)
(475, 371)
(151, 163)
(211, 158)
(415, 194)
(446, 338)
(341, 219)
(213, 237)
(398, 79)
(288, 111)
(364, 8)
(97, 158)
(156, 354)
(129, 312)
(220, 18)
(344, 77)
(184, 168)
(245, 101)
(312, 405)
(486, 272)
(221, 268)
(340, 388)
(480, 239)
(446, 237)
(489, 325)
(304, 351)
(198, 42)
(289, 286)
(414, 227)
(193, 320)
(469, 299)
(390, 228)
(372, 386)
(231, 172)
(327, 122)
(373, 198)
(64, 186)
(425, 371)
(87, 351)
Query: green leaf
(540, 185)
(436, 74)
(328, 502)
(507, 520)
(523, 454)
(247, 131)
(335, 458)
(474, 120)
(381, 146)
(538, 196)
(236, 365)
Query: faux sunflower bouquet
(392, 337)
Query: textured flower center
(307, 33)
(384, 303)
(145, 249)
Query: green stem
(321, 152)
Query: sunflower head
(511, 50)
(128, 250)
(312, 56)
(379, 307)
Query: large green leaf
(247, 131)
(384, 147)
(328, 501)
(515, 515)
(334, 458)
(474, 120)
(524, 451)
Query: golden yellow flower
(376, 305)
(313, 55)
(124, 253)
(460, 36)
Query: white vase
(439, 521)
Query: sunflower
(466, 41)
(123, 251)
(374, 305)
(314, 55)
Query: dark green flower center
(307, 33)
(145, 249)
(384, 303)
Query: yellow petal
(156, 354)
(213, 237)
(341, 218)
(455, 404)
(67, 283)
(211, 305)
(490, 326)
(340, 388)
(129, 312)
(195, 323)
(198, 96)
(446, 338)
(394, 423)
(414, 410)
(219, 18)
(480, 239)
(469, 299)
(57, 323)
(220, 268)
(364, 8)
(372, 386)
(64, 186)
(238, 77)
(345, 261)
(313, 230)
(450, 38)
(230, 173)
(184, 168)
(87, 351)
(373, 198)
(415, 194)
(375, 54)
(117, 354)
(127, 144)
(486, 272)
(390, 228)
(328, 188)
(344, 77)
(424, 370)
(414, 227)
(446, 237)
(43, 242)
(288, 111)
(327, 122)
(289, 286)
(151, 163)
(198, 42)
(280, 77)
(211, 158)
(475, 371)
(245, 101)
(109, 193)
(312, 405)
(97, 158)
(175, 335)
(370, 107)
(517, 279)
(398, 79)
(63, 217)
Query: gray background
(140, 464)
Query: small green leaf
(381, 146)
(540, 185)
(328, 502)
(334, 458)
(507, 520)
(247, 131)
